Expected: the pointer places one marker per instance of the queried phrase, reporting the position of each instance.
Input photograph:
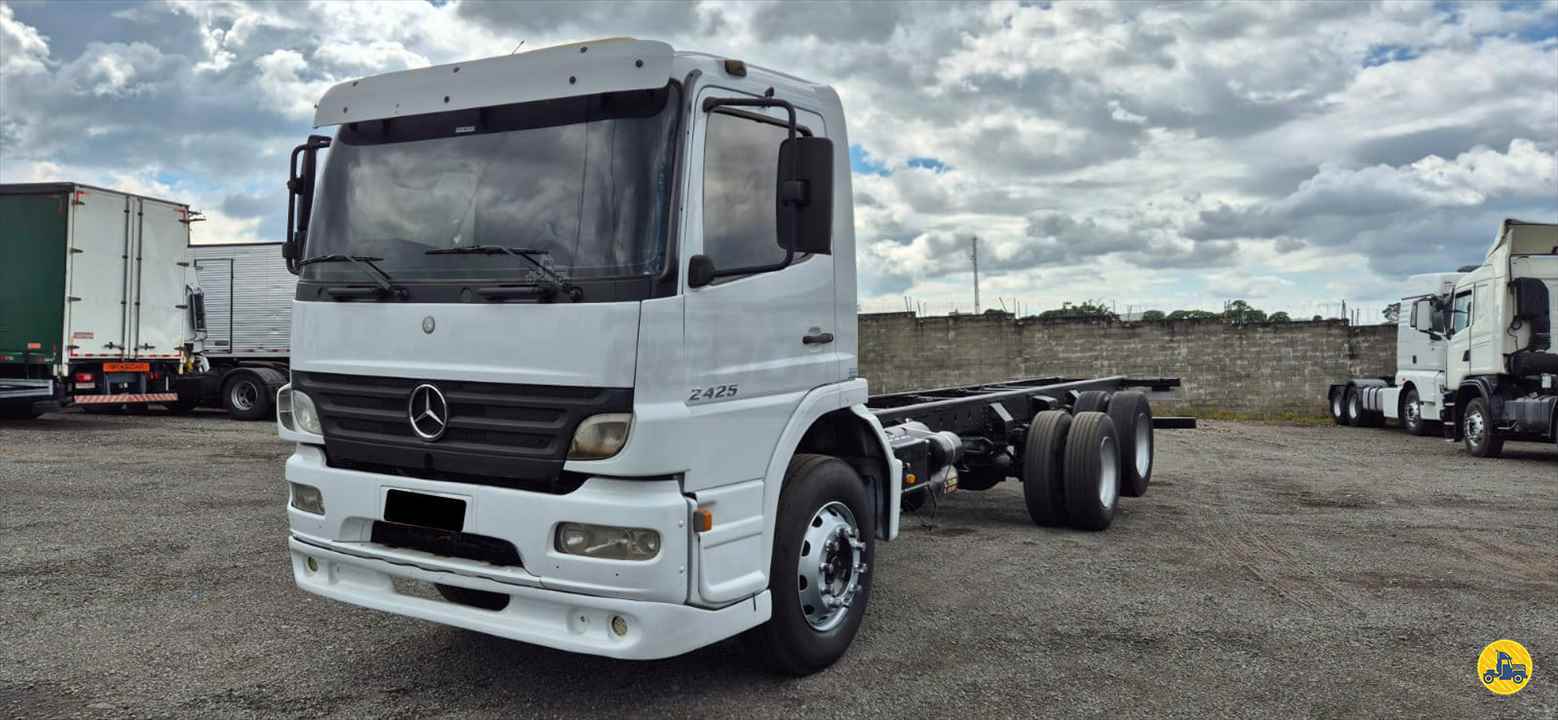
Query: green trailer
(97, 298)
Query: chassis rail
(977, 409)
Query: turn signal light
(702, 520)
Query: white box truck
(1414, 395)
(95, 299)
(248, 309)
(1502, 376)
(574, 343)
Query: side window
(1461, 312)
(740, 177)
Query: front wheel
(820, 577)
(1412, 413)
(1477, 430)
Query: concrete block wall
(1259, 369)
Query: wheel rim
(1108, 473)
(244, 395)
(1414, 414)
(1143, 445)
(832, 563)
(1336, 405)
(1476, 427)
(1353, 409)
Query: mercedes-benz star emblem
(429, 413)
(428, 325)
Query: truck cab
(1502, 366)
(1414, 395)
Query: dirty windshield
(584, 181)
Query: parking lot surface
(1271, 571)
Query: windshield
(584, 181)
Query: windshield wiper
(558, 283)
(386, 284)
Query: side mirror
(300, 198)
(1423, 317)
(700, 271)
(805, 198)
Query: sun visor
(565, 71)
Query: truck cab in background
(1413, 397)
(1502, 368)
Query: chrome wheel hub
(832, 563)
(1476, 427)
(244, 395)
(1414, 414)
(1143, 445)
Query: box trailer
(95, 288)
(247, 293)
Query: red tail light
(83, 377)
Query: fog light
(607, 542)
(307, 498)
(618, 625)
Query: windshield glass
(586, 181)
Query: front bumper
(556, 600)
(560, 620)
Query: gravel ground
(1272, 571)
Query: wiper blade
(558, 283)
(382, 279)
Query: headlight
(600, 436)
(284, 407)
(308, 498)
(604, 541)
(304, 413)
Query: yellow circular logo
(1504, 667)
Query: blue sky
(1150, 155)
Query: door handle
(817, 339)
(1466, 356)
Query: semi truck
(248, 306)
(1502, 377)
(575, 362)
(96, 301)
(1413, 396)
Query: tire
(1356, 415)
(1132, 416)
(1339, 406)
(1486, 443)
(1411, 413)
(1090, 401)
(246, 397)
(1043, 468)
(1092, 471)
(821, 495)
(480, 599)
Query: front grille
(447, 543)
(498, 434)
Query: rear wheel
(1356, 415)
(1092, 471)
(1090, 401)
(1477, 430)
(1043, 467)
(246, 398)
(1411, 413)
(1132, 416)
(1339, 406)
(820, 577)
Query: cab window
(1460, 313)
(740, 178)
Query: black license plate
(431, 511)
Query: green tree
(1192, 315)
(1093, 309)
(1240, 312)
(1279, 317)
(1153, 316)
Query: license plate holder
(127, 367)
(424, 510)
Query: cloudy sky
(1166, 156)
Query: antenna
(973, 252)
(516, 47)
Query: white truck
(574, 343)
(1413, 397)
(1502, 376)
(96, 301)
(247, 293)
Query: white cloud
(22, 50)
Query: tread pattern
(1084, 471)
(1043, 467)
